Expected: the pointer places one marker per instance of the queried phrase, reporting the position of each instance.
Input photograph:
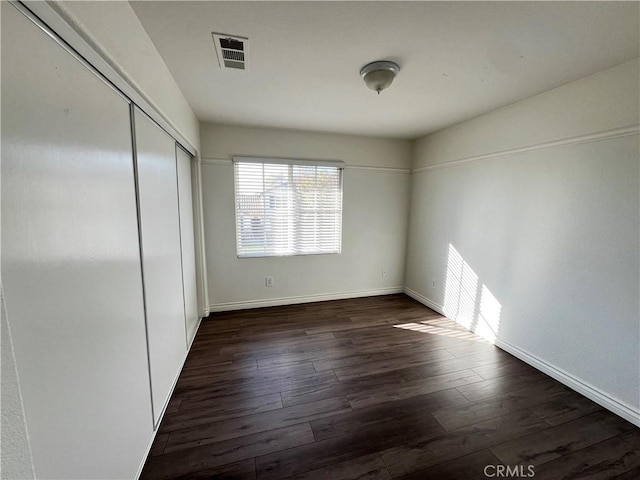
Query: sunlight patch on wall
(488, 321)
(468, 304)
(460, 289)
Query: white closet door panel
(70, 260)
(188, 243)
(161, 256)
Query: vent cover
(233, 51)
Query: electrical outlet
(434, 283)
(268, 281)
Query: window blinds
(287, 208)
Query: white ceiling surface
(457, 59)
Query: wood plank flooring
(374, 388)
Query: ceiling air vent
(233, 51)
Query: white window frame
(289, 162)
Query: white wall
(15, 450)
(375, 213)
(545, 237)
(114, 31)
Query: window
(287, 207)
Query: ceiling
(457, 59)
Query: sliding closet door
(188, 243)
(161, 256)
(70, 261)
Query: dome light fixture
(379, 75)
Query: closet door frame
(73, 247)
(81, 46)
(161, 256)
(187, 242)
(77, 44)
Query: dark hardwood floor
(374, 388)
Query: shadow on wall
(468, 303)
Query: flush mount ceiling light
(379, 75)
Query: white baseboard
(424, 300)
(621, 409)
(195, 332)
(272, 302)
